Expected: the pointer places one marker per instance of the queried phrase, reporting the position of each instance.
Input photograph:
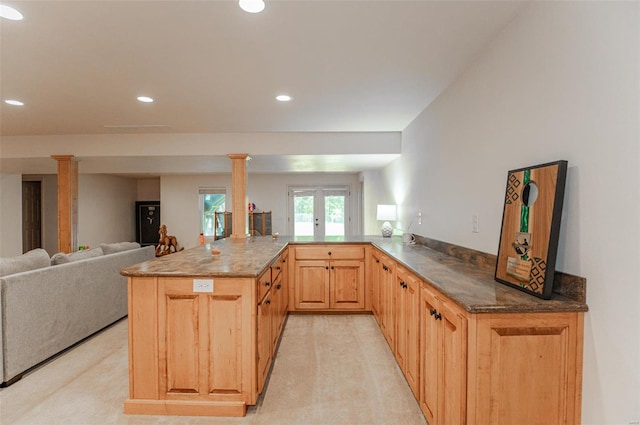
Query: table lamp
(386, 213)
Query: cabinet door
(265, 344)
(401, 319)
(452, 379)
(411, 313)
(347, 284)
(444, 359)
(374, 276)
(428, 356)
(312, 285)
(277, 315)
(203, 338)
(387, 298)
(527, 369)
(285, 283)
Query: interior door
(31, 215)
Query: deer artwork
(167, 243)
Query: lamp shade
(386, 213)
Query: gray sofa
(47, 310)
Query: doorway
(31, 215)
(319, 212)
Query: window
(211, 201)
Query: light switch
(202, 285)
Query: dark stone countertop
(470, 286)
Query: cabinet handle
(267, 302)
(329, 252)
(377, 261)
(438, 316)
(332, 268)
(278, 286)
(284, 261)
(267, 284)
(326, 267)
(432, 311)
(385, 268)
(278, 267)
(402, 283)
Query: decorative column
(67, 203)
(239, 194)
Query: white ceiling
(351, 66)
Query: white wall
(106, 209)
(560, 82)
(180, 208)
(179, 204)
(148, 189)
(373, 195)
(10, 215)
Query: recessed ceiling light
(284, 97)
(145, 99)
(10, 13)
(13, 102)
(251, 6)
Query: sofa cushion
(34, 259)
(110, 248)
(62, 258)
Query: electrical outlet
(475, 224)
(202, 285)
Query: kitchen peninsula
(203, 328)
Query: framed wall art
(530, 228)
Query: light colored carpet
(330, 369)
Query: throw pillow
(110, 248)
(34, 259)
(62, 258)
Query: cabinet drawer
(330, 252)
(276, 267)
(264, 284)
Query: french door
(319, 211)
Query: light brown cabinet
(191, 351)
(207, 350)
(381, 276)
(328, 277)
(527, 367)
(374, 276)
(280, 277)
(271, 313)
(408, 327)
(264, 338)
(443, 359)
(311, 285)
(478, 368)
